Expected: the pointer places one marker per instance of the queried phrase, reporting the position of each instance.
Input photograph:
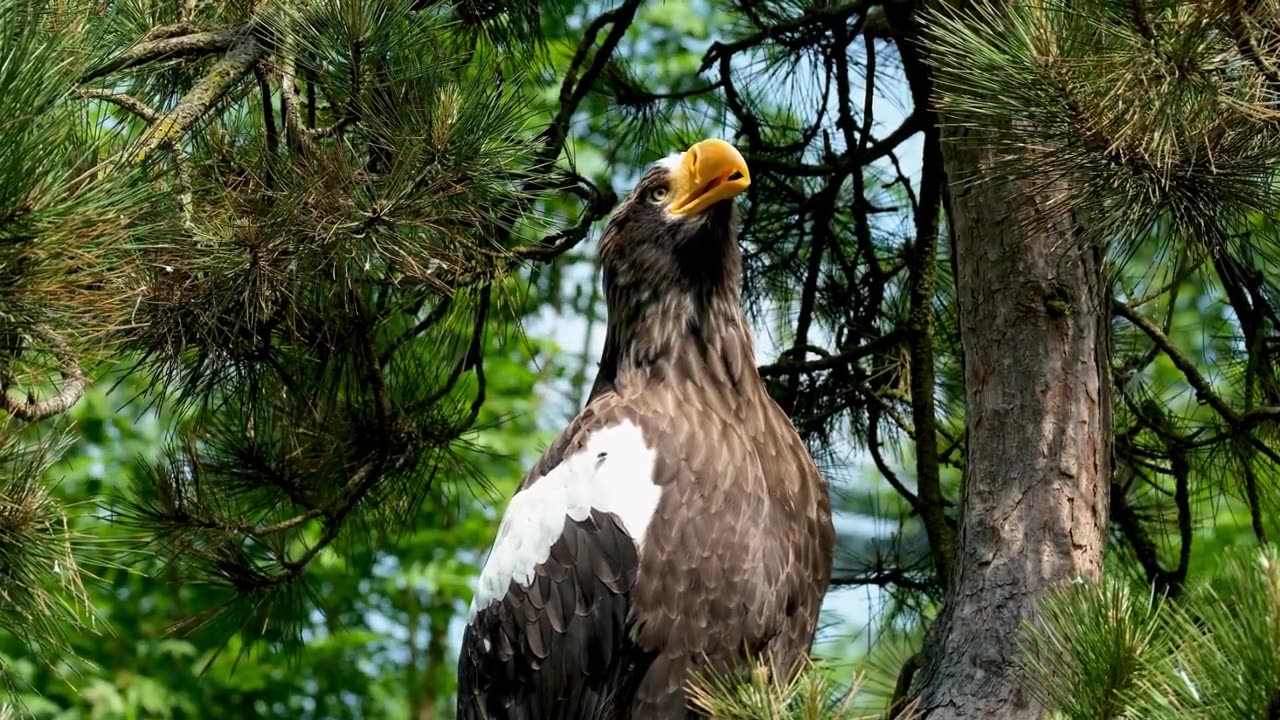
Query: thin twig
(846, 162)
(149, 116)
(126, 102)
(562, 241)
(873, 444)
(161, 32)
(818, 17)
(432, 318)
(1204, 391)
(1241, 29)
(186, 197)
(841, 359)
(880, 577)
(296, 131)
(574, 89)
(268, 112)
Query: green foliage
(1111, 651)
(42, 598)
(62, 230)
(1094, 647)
(312, 290)
(1227, 660)
(379, 616)
(1155, 109)
(64, 223)
(812, 694)
(279, 236)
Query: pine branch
(42, 597)
(818, 19)
(185, 9)
(806, 692)
(126, 102)
(600, 204)
(1242, 28)
(297, 133)
(168, 47)
(920, 322)
(73, 382)
(845, 162)
(883, 344)
(1204, 391)
(1093, 648)
(579, 80)
(1252, 498)
(268, 113)
(873, 446)
(899, 706)
(238, 61)
(880, 577)
(160, 32)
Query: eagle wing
(547, 637)
(622, 564)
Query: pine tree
(1146, 127)
(295, 220)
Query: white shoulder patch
(670, 162)
(612, 474)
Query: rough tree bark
(1034, 319)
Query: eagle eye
(658, 195)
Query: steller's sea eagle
(678, 523)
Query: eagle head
(685, 185)
(677, 228)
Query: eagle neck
(701, 331)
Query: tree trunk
(1034, 320)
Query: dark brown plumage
(678, 522)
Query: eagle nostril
(735, 176)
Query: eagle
(678, 524)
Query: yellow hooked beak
(711, 171)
